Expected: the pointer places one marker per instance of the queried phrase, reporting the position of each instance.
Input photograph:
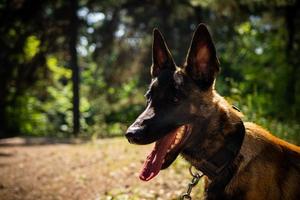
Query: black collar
(221, 164)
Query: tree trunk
(2, 107)
(74, 64)
(292, 52)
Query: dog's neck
(215, 152)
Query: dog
(185, 115)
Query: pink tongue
(154, 161)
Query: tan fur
(269, 167)
(260, 173)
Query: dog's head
(175, 98)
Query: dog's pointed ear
(202, 64)
(161, 56)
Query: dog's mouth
(165, 151)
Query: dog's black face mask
(172, 98)
(166, 109)
(165, 120)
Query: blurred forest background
(81, 67)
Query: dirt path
(107, 169)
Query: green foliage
(257, 107)
(112, 107)
(256, 75)
(31, 47)
(114, 51)
(27, 117)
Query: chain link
(196, 177)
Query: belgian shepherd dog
(185, 115)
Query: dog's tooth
(180, 134)
(182, 129)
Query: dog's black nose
(134, 135)
(130, 136)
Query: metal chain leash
(196, 177)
